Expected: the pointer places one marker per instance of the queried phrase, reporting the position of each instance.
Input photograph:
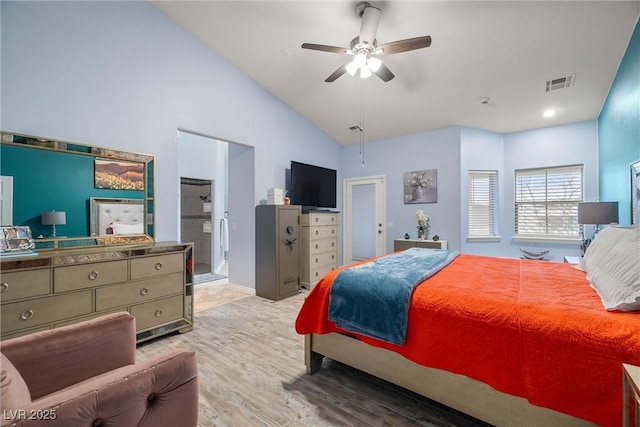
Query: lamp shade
(597, 212)
(54, 218)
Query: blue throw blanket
(373, 298)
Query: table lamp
(596, 213)
(54, 218)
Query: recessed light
(549, 112)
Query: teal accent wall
(619, 131)
(47, 180)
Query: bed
(109, 216)
(508, 341)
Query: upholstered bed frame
(116, 216)
(456, 391)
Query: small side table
(572, 259)
(631, 395)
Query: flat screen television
(312, 187)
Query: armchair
(85, 375)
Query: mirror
(77, 183)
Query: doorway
(196, 221)
(203, 168)
(364, 218)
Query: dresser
(319, 248)
(57, 288)
(402, 244)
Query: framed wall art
(420, 186)
(118, 175)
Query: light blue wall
(393, 157)
(570, 144)
(619, 131)
(122, 75)
(481, 150)
(455, 151)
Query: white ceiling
(503, 50)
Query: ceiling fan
(365, 50)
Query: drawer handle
(316, 260)
(144, 291)
(158, 266)
(333, 231)
(316, 274)
(4, 287)
(317, 232)
(26, 315)
(316, 219)
(93, 275)
(333, 256)
(333, 244)
(333, 219)
(158, 313)
(316, 246)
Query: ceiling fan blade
(325, 48)
(404, 45)
(337, 73)
(384, 73)
(369, 25)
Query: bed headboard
(116, 216)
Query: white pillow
(612, 263)
(127, 228)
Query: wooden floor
(252, 373)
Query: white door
(6, 200)
(364, 218)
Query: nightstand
(572, 259)
(631, 395)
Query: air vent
(561, 82)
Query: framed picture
(635, 192)
(16, 240)
(118, 175)
(420, 186)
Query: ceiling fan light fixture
(365, 71)
(352, 68)
(374, 63)
(360, 59)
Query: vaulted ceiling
(486, 68)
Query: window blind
(546, 201)
(483, 204)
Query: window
(546, 202)
(483, 205)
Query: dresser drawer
(89, 275)
(322, 219)
(324, 232)
(157, 312)
(318, 273)
(322, 245)
(136, 292)
(156, 265)
(24, 284)
(326, 258)
(39, 311)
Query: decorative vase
(420, 234)
(417, 193)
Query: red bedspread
(528, 328)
